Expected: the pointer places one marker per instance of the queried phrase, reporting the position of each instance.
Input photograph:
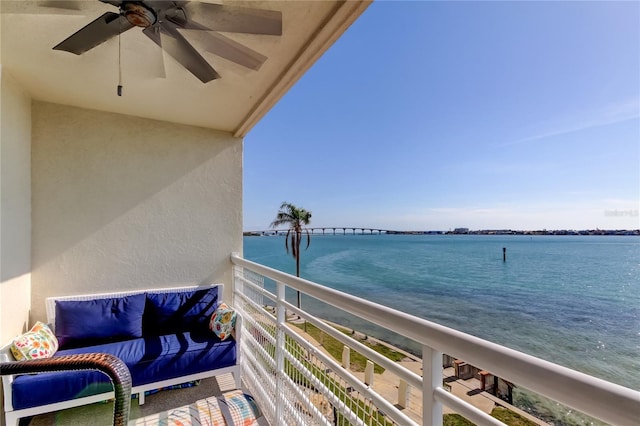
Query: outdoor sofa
(162, 335)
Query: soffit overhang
(233, 103)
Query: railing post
(235, 283)
(280, 348)
(368, 373)
(403, 394)
(431, 379)
(346, 357)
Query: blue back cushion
(90, 322)
(168, 313)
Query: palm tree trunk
(297, 243)
(298, 275)
(298, 239)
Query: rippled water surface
(573, 300)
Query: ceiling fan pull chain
(120, 63)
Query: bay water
(572, 300)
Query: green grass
(509, 417)
(455, 420)
(358, 361)
(504, 415)
(359, 407)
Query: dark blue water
(573, 300)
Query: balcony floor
(101, 413)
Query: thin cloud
(616, 114)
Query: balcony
(296, 382)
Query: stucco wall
(121, 202)
(15, 207)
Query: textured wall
(121, 202)
(15, 207)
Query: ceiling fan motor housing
(138, 14)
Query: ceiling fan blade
(179, 16)
(232, 50)
(157, 60)
(236, 19)
(183, 52)
(102, 29)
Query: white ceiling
(233, 103)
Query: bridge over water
(327, 230)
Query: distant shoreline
(457, 231)
(518, 232)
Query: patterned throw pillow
(223, 321)
(37, 343)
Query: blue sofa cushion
(90, 322)
(149, 360)
(168, 313)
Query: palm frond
(295, 218)
(286, 241)
(308, 238)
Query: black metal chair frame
(110, 365)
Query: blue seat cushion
(150, 359)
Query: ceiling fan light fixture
(138, 14)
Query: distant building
(461, 231)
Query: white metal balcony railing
(295, 383)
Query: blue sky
(437, 115)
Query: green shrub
(511, 418)
(455, 420)
(503, 414)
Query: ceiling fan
(161, 20)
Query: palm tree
(295, 218)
